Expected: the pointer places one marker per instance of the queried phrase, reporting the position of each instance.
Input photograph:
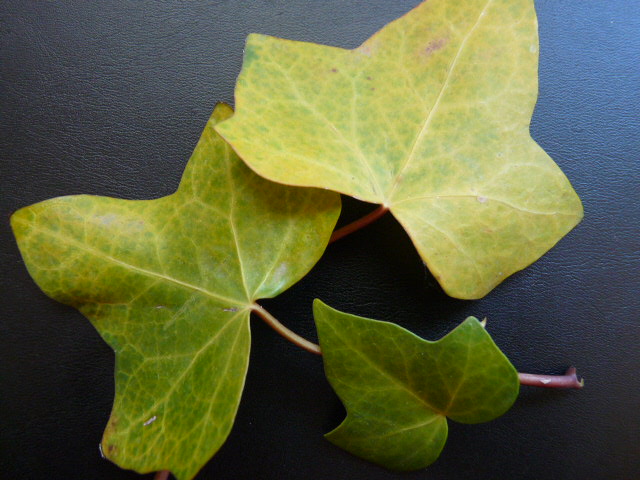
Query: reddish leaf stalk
(568, 380)
(162, 475)
(358, 224)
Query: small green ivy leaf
(398, 389)
(430, 118)
(169, 284)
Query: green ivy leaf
(398, 389)
(429, 117)
(170, 284)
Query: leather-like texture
(109, 98)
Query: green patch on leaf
(399, 389)
(429, 117)
(170, 284)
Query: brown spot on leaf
(368, 78)
(334, 70)
(435, 45)
(110, 428)
(111, 448)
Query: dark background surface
(109, 98)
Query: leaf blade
(398, 389)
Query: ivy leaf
(398, 389)
(170, 284)
(430, 118)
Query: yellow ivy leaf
(430, 118)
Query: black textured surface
(110, 97)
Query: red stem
(162, 475)
(568, 380)
(358, 224)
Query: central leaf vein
(425, 126)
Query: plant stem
(285, 332)
(162, 475)
(358, 224)
(568, 380)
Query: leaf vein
(487, 198)
(355, 149)
(144, 271)
(371, 362)
(425, 126)
(177, 381)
